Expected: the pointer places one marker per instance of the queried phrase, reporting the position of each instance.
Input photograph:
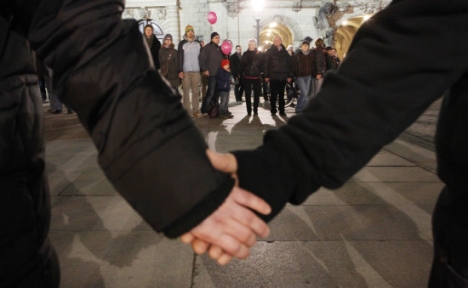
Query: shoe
(282, 114)
(288, 104)
(255, 114)
(205, 115)
(57, 112)
(230, 116)
(196, 114)
(249, 114)
(273, 114)
(70, 111)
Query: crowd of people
(259, 71)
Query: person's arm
(203, 58)
(102, 71)
(379, 90)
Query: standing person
(189, 70)
(131, 115)
(204, 79)
(302, 67)
(252, 67)
(153, 44)
(277, 71)
(236, 71)
(319, 68)
(335, 60)
(168, 58)
(223, 79)
(209, 60)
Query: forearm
(102, 71)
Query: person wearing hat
(189, 70)
(223, 80)
(153, 43)
(209, 60)
(168, 59)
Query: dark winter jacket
(320, 66)
(366, 104)
(303, 65)
(210, 58)
(277, 64)
(252, 63)
(235, 65)
(155, 51)
(102, 71)
(170, 55)
(223, 79)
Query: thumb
(223, 162)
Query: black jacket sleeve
(378, 91)
(148, 146)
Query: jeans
(223, 102)
(277, 91)
(317, 84)
(212, 92)
(304, 86)
(248, 84)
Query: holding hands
(232, 229)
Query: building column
(173, 23)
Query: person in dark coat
(102, 70)
(319, 67)
(235, 59)
(168, 58)
(153, 44)
(252, 67)
(278, 71)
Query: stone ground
(375, 231)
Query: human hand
(207, 73)
(318, 77)
(203, 238)
(181, 75)
(267, 80)
(289, 80)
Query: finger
(251, 201)
(224, 259)
(199, 246)
(243, 253)
(187, 238)
(215, 252)
(223, 162)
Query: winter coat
(139, 127)
(210, 58)
(235, 65)
(320, 66)
(278, 64)
(252, 63)
(154, 49)
(170, 54)
(303, 64)
(223, 79)
(194, 47)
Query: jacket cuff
(201, 211)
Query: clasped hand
(232, 229)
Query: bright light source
(344, 23)
(257, 5)
(366, 17)
(273, 24)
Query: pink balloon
(226, 47)
(212, 18)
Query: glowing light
(273, 24)
(366, 17)
(344, 23)
(257, 5)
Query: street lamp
(257, 6)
